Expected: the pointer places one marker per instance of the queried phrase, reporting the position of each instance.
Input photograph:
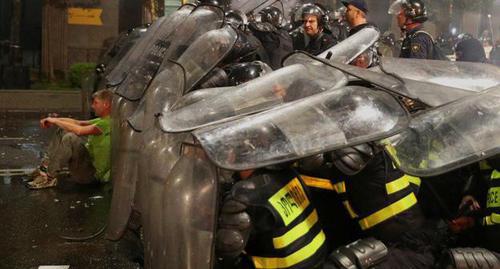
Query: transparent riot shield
(124, 167)
(303, 75)
(427, 92)
(190, 210)
(171, 46)
(159, 30)
(449, 137)
(281, 86)
(197, 65)
(319, 123)
(161, 151)
(121, 48)
(353, 46)
(461, 75)
(199, 96)
(121, 175)
(117, 75)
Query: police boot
(361, 254)
(468, 258)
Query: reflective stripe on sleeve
(296, 232)
(388, 212)
(316, 182)
(397, 185)
(340, 187)
(495, 174)
(294, 258)
(493, 219)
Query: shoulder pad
(422, 34)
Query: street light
(491, 29)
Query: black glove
(233, 231)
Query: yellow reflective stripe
(388, 212)
(495, 174)
(349, 209)
(415, 180)
(340, 187)
(317, 182)
(397, 185)
(392, 152)
(296, 232)
(294, 258)
(493, 219)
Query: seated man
(87, 159)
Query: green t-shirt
(99, 147)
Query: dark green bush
(78, 71)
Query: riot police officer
(411, 14)
(234, 74)
(312, 39)
(381, 199)
(276, 41)
(356, 11)
(470, 50)
(480, 226)
(355, 15)
(268, 221)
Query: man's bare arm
(71, 126)
(77, 122)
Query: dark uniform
(277, 42)
(339, 30)
(285, 231)
(356, 29)
(314, 45)
(491, 219)
(382, 201)
(417, 45)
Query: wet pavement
(56, 226)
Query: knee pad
(361, 254)
(469, 258)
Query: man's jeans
(68, 150)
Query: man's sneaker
(42, 181)
(41, 170)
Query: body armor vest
(380, 198)
(286, 229)
(493, 201)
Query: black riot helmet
(470, 50)
(236, 18)
(312, 10)
(272, 15)
(413, 9)
(243, 72)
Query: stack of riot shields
(171, 139)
